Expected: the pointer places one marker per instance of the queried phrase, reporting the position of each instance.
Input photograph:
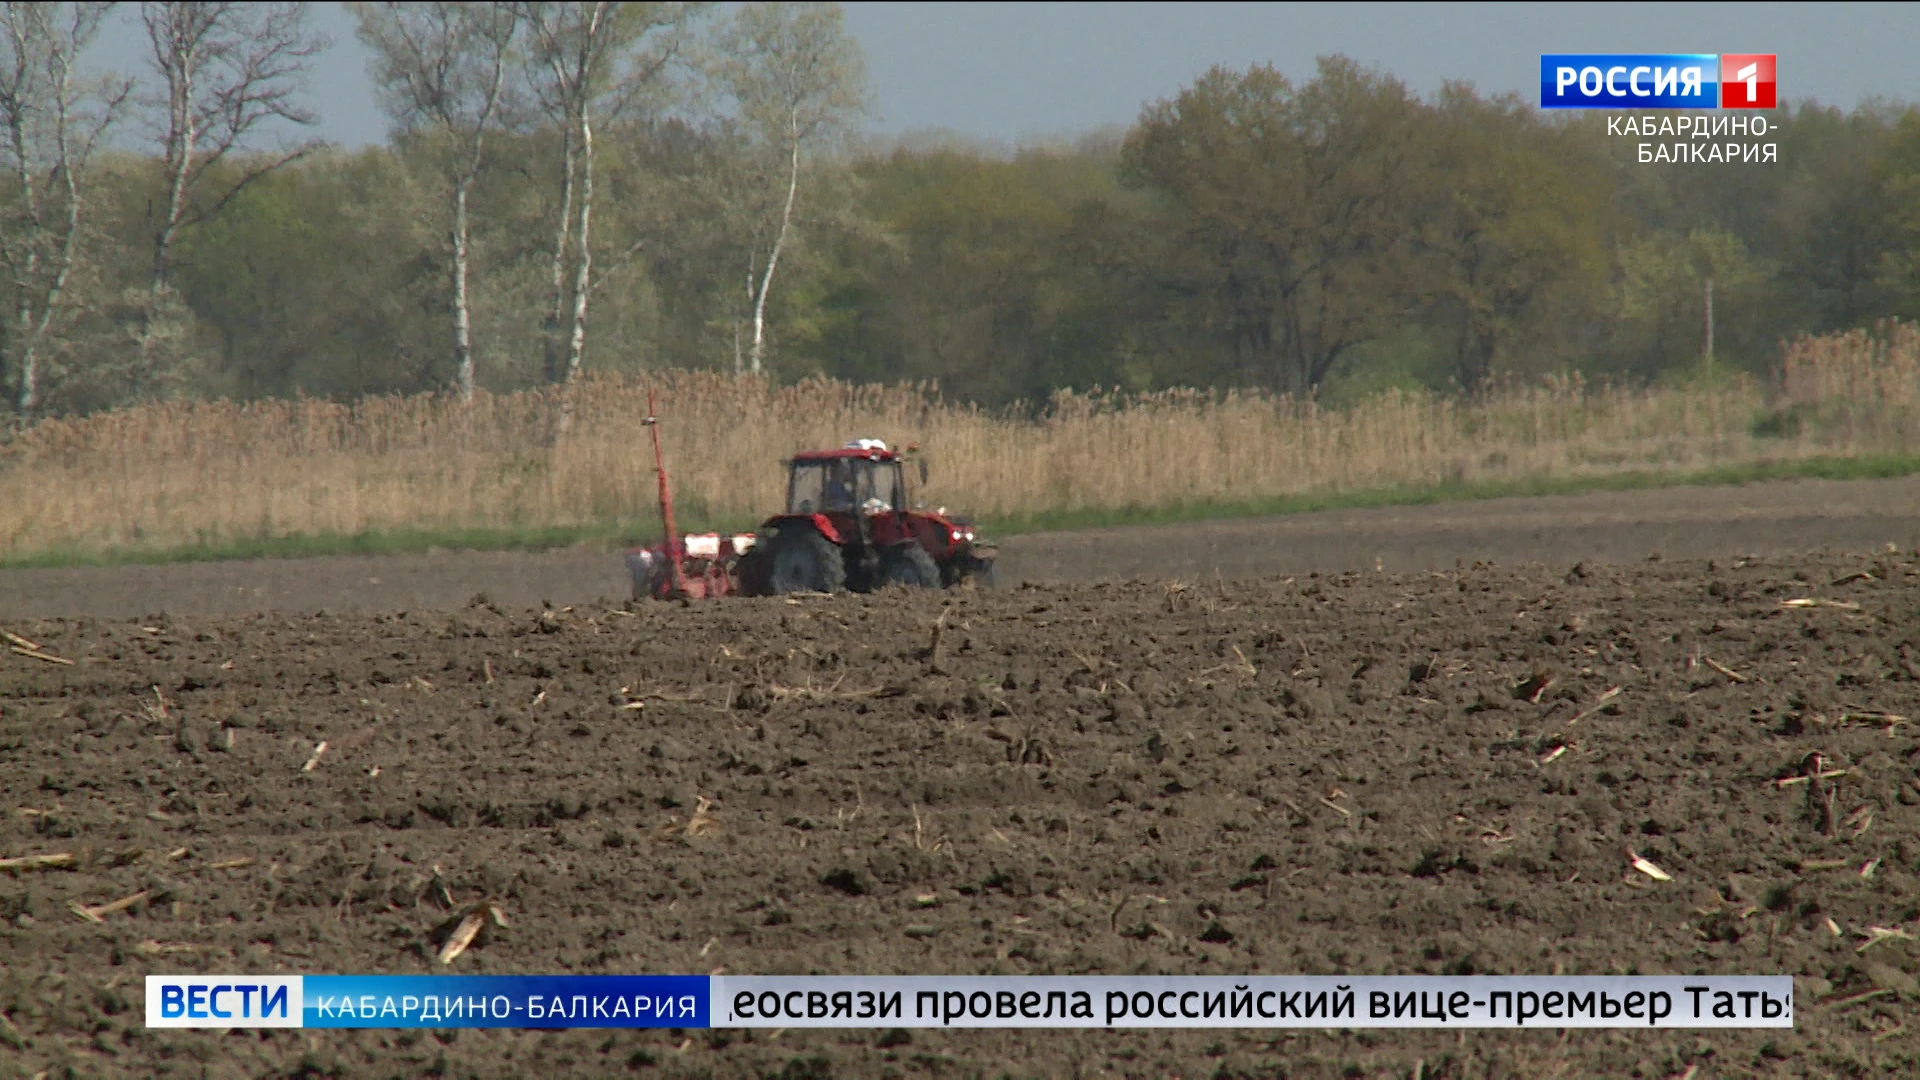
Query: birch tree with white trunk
(226, 72)
(52, 120)
(588, 61)
(798, 81)
(442, 69)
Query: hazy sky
(1016, 71)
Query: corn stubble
(177, 474)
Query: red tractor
(848, 524)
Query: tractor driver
(840, 486)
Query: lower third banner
(1009, 1001)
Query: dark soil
(1348, 773)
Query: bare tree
(227, 70)
(797, 79)
(442, 67)
(589, 59)
(52, 124)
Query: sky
(1023, 72)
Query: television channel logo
(1657, 81)
(1747, 81)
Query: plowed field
(1439, 771)
(1439, 766)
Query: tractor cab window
(880, 489)
(819, 487)
(844, 485)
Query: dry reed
(165, 475)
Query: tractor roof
(844, 454)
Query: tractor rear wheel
(911, 566)
(804, 561)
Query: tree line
(629, 186)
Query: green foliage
(1897, 180)
(1513, 231)
(1286, 214)
(321, 280)
(977, 275)
(1662, 298)
(1414, 358)
(1335, 234)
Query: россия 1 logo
(1658, 81)
(1746, 81)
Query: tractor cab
(846, 482)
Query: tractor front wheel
(911, 566)
(985, 577)
(804, 561)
